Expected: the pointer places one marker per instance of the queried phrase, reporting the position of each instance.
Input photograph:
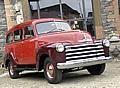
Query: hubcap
(11, 69)
(50, 71)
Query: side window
(28, 31)
(18, 35)
(9, 38)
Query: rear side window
(9, 38)
(28, 31)
(18, 35)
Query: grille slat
(84, 56)
(84, 51)
(84, 45)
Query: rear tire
(12, 72)
(52, 74)
(96, 69)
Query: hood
(72, 37)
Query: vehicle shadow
(75, 76)
(32, 76)
(67, 77)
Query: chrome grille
(84, 51)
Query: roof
(74, 4)
(65, 6)
(34, 21)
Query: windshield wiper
(61, 29)
(54, 30)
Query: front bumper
(83, 62)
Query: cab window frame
(8, 36)
(20, 35)
(29, 29)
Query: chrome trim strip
(82, 56)
(92, 51)
(83, 45)
(83, 63)
(98, 47)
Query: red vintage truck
(50, 44)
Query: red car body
(30, 52)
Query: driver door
(29, 52)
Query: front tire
(96, 69)
(12, 72)
(52, 74)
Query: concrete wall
(117, 16)
(26, 10)
(3, 26)
(10, 15)
(97, 19)
(107, 18)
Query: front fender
(51, 52)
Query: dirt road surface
(80, 79)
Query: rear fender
(7, 58)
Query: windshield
(48, 27)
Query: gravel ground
(80, 79)
(2, 70)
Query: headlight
(60, 47)
(106, 43)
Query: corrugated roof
(74, 4)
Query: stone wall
(108, 17)
(3, 26)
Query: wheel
(52, 74)
(13, 74)
(96, 69)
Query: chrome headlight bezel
(106, 43)
(60, 47)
